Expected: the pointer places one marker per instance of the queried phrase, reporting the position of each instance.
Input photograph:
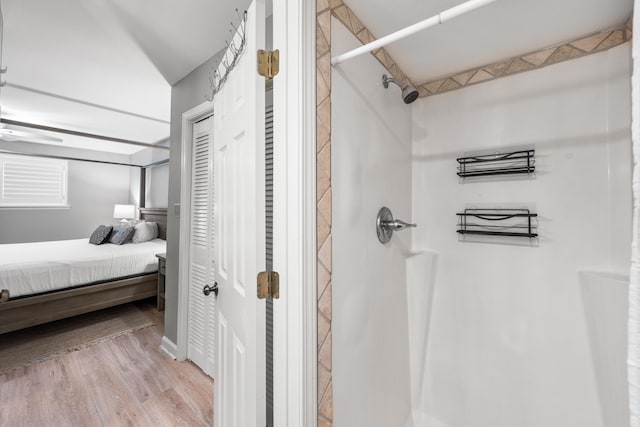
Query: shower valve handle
(386, 225)
(396, 225)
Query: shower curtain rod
(440, 18)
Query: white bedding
(31, 268)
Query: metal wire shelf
(516, 162)
(498, 222)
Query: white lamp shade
(124, 211)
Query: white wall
(510, 342)
(157, 181)
(186, 94)
(158, 187)
(93, 189)
(371, 168)
(157, 190)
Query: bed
(84, 277)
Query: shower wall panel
(371, 168)
(510, 340)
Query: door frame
(294, 216)
(295, 253)
(188, 119)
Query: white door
(200, 347)
(239, 212)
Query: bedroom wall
(157, 178)
(93, 190)
(186, 94)
(158, 187)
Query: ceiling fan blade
(7, 134)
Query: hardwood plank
(125, 381)
(110, 395)
(170, 409)
(126, 352)
(148, 307)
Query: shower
(409, 93)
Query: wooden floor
(127, 381)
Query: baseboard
(169, 347)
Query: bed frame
(29, 311)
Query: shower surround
(429, 330)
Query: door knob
(208, 289)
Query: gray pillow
(145, 231)
(100, 235)
(121, 234)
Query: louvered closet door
(201, 308)
(268, 172)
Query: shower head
(409, 93)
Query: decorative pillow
(100, 235)
(121, 234)
(145, 231)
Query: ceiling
(105, 67)
(496, 32)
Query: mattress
(33, 268)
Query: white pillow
(145, 231)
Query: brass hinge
(268, 63)
(268, 285)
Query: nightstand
(162, 267)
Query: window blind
(32, 181)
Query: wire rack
(515, 162)
(498, 222)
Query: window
(32, 181)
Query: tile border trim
(592, 43)
(324, 11)
(583, 46)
